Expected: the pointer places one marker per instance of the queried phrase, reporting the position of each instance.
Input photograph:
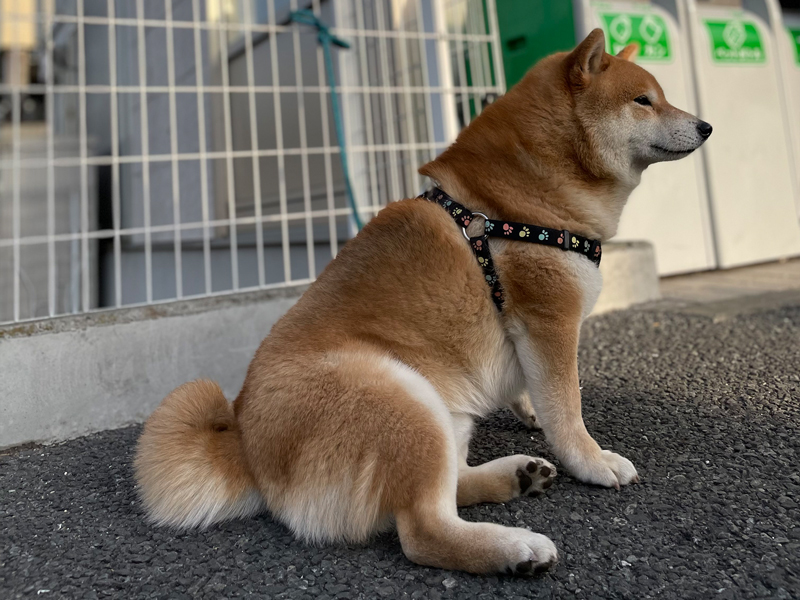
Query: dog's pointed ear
(589, 58)
(629, 52)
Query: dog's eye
(643, 100)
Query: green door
(532, 29)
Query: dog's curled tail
(190, 467)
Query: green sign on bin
(648, 30)
(734, 41)
(794, 32)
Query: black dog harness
(510, 230)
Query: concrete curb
(630, 276)
(68, 377)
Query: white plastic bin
(670, 206)
(749, 157)
(791, 72)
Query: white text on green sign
(794, 32)
(734, 41)
(648, 30)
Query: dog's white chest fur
(501, 379)
(589, 279)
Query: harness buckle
(565, 243)
(464, 228)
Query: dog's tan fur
(358, 407)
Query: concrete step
(630, 276)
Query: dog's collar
(510, 230)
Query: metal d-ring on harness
(510, 230)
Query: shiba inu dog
(357, 410)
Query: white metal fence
(153, 149)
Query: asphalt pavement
(709, 412)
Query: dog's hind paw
(504, 479)
(523, 409)
(535, 477)
(528, 420)
(529, 553)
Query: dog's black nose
(704, 129)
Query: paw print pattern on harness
(529, 233)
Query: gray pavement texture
(709, 413)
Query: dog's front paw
(607, 469)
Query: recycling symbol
(621, 28)
(650, 29)
(734, 35)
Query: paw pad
(544, 566)
(525, 482)
(526, 567)
(536, 477)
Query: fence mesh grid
(153, 150)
